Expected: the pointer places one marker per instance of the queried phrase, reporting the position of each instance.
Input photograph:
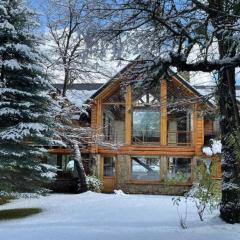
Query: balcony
(150, 137)
(179, 138)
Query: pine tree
(24, 104)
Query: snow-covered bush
(94, 184)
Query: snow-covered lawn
(93, 216)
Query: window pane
(109, 167)
(146, 168)
(113, 123)
(59, 160)
(52, 159)
(179, 168)
(146, 126)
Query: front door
(108, 174)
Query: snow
(95, 216)
(78, 97)
(119, 192)
(215, 148)
(207, 151)
(201, 78)
(21, 130)
(12, 64)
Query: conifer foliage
(24, 121)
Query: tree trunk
(80, 168)
(66, 82)
(229, 116)
(229, 124)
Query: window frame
(114, 168)
(190, 168)
(145, 180)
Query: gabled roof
(114, 78)
(183, 81)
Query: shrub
(205, 192)
(94, 184)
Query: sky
(39, 5)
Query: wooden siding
(208, 127)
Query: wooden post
(128, 115)
(98, 125)
(163, 113)
(198, 130)
(194, 123)
(163, 168)
(99, 116)
(193, 168)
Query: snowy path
(93, 216)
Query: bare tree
(192, 35)
(70, 42)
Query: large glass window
(146, 115)
(179, 169)
(146, 126)
(145, 168)
(113, 117)
(179, 114)
(179, 127)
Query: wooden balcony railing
(145, 137)
(151, 137)
(179, 138)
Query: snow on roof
(78, 97)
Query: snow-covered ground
(93, 216)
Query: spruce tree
(24, 104)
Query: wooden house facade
(150, 137)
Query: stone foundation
(124, 182)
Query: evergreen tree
(24, 104)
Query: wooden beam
(163, 114)
(108, 90)
(98, 123)
(150, 151)
(198, 129)
(128, 115)
(99, 115)
(94, 115)
(194, 118)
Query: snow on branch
(215, 148)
